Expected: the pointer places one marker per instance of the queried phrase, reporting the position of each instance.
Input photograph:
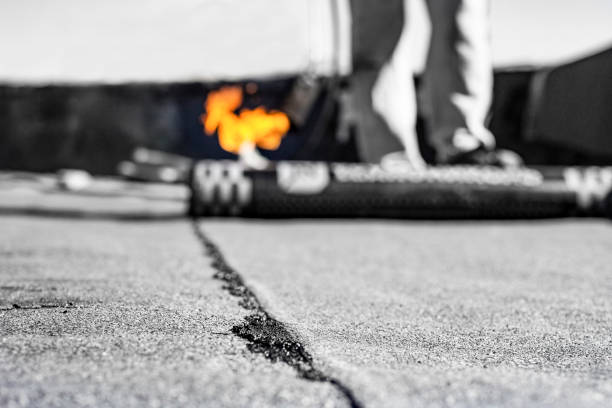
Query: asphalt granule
(266, 335)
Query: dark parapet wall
(89, 127)
(558, 115)
(93, 127)
(45, 128)
(571, 105)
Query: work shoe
(484, 157)
(399, 161)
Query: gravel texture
(122, 308)
(126, 314)
(440, 314)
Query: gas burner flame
(249, 127)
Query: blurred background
(83, 83)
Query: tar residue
(265, 334)
(34, 306)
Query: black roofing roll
(316, 189)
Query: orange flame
(253, 126)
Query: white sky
(536, 32)
(177, 40)
(549, 31)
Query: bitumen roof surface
(441, 314)
(114, 301)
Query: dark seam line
(17, 306)
(266, 335)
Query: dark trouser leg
(377, 27)
(458, 77)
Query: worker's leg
(382, 98)
(458, 77)
(394, 98)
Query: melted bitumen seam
(265, 334)
(36, 306)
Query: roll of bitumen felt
(315, 189)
